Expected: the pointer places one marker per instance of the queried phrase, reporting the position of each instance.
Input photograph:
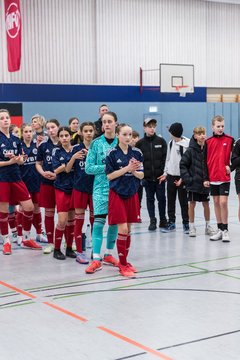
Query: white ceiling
(226, 1)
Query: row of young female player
(68, 179)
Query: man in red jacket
(218, 149)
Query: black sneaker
(163, 223)
(153, 224)
(70, 253)
(57, 254)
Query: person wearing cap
(176, 147)
(154, 149)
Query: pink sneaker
(131, 267)
(125, 270)
(7, 248)
(93, 267)
(110, 260)
(30, 244)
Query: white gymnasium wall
(106, 41)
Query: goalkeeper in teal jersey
(95, 165)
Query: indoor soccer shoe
(132, 268)
(225, 236)
(93, 267)
(48, 249)
(7, 248)
(217, 236)
(82, 259)
(30, 244)
(125, 270)
(42, 238)
(110, 260)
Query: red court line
(17, 290)
(132, 342)
(82, 319)
(64, 311)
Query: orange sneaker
(7, 248)
(93, 267)
(110, 260)
(132, 267)
(125, 270)
(30, 244)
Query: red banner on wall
(13, 32)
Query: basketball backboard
(175, 76)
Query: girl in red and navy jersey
(45, 168)
(124, 170)
(63, 191)
(31, 178)
(13, 189)
(82, 187)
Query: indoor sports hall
(168, 60)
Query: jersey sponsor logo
(158, 146)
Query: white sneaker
(217, 236)
(192, 232)
(14, 237)
(42, 238)
(225, 236)
(209, 230)
(48, 249)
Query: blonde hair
(217, 118)
(40, 119)
(199, 130)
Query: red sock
(122, 248)
(79, 220)
(12, 220)
(27, 220)
(69, 233)
(58, 237)
(19, 222)
(49, 225)
(37, 222)
(128, 242)
(4, 223)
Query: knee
(28, 206)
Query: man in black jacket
(98, 124)
(154, 149)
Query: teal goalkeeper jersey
(95, 165)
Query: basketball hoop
(182, 90)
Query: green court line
(227, 275)
(113, 276)
(218, 272)
(126, 286)
(16, 305)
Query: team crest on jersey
(34, 151)
(14, 144)
(54, 151)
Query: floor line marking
(23, 292)
(64, 311)
(82, 319)
(135, 343)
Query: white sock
(191, 225)
(207, 223)
(26, 235)
(6, 239)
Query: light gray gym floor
(184, 303)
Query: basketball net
(182, 90)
